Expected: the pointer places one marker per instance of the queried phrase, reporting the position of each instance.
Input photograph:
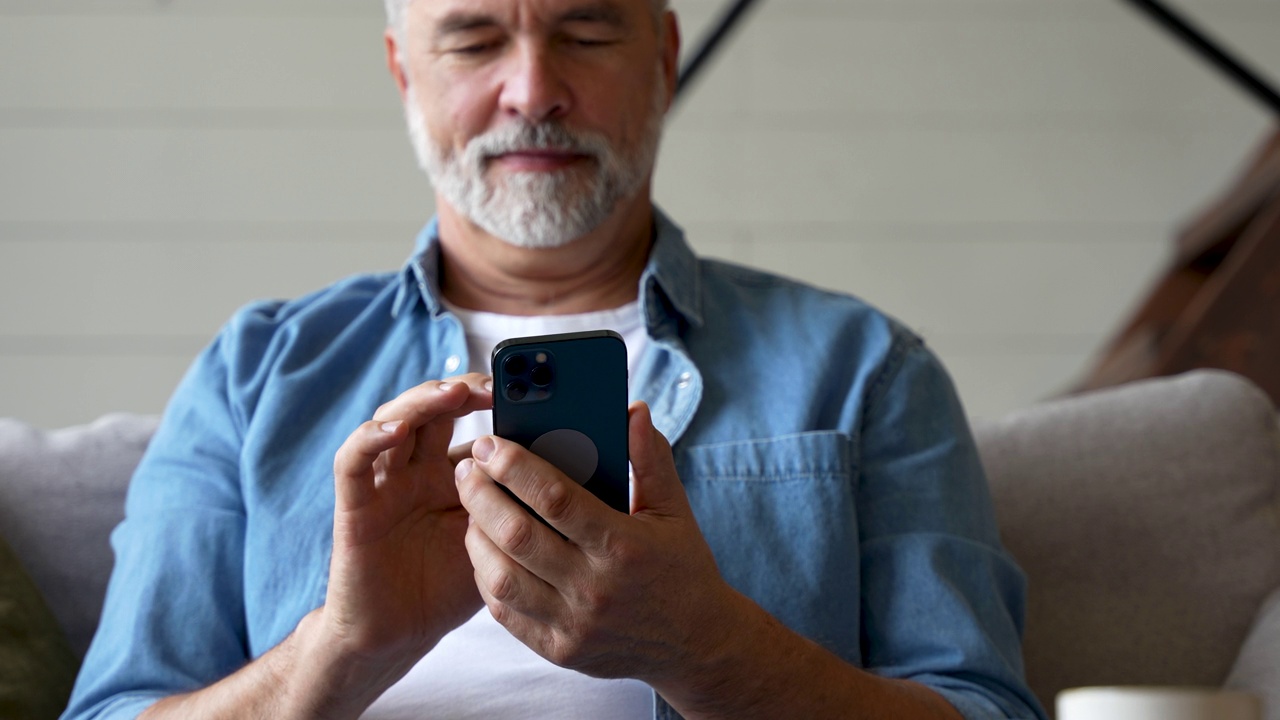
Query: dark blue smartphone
(565, 398)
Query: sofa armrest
(1257, 668)
(1146, 519)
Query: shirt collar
(420, 278)
(670, 282)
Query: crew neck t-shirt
(480, 671)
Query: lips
(540, 159)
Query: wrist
(328, 678)
(719, 679)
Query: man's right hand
(400, 577)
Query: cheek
(459, 111)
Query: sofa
(1146, 517)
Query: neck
(598, 271)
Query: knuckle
(565, 651)
(619, 553)
(501, 613)
(595, 601)
(503, 587)
(468, 490)
(555, 502)
(500, 463)
(515, 534)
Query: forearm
(762, 669)
(305, 676)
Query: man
(819, 543)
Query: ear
(670, 53)
(395, 64)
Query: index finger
(565, 505)
(422, 403)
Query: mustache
(541, 136)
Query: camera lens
(515, 365)
(516, 391)
(541, 375)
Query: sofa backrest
(61, 494)
(1146, 519)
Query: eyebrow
(602, 11)
(461, 21)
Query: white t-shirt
(479, 671)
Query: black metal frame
(1211, 51)
(1182, 28)
(710, 43)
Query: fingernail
(482, 449)
(390, 427)
(488, 385)
(445, 386)
(464, 468)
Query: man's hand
(634, 596)
(400, 578)
(641, 597)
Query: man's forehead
(543, 9)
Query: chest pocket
(780, 517)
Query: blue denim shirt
(822, 447)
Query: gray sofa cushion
(61, 494)
(1146, 520)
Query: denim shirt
(822, 447)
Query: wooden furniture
(1218, 305)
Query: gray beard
(536, 209)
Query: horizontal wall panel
(178, 62)
(946, 176)
(169, 288)
(210, 175)
(1024, 281)
(1059, 72)
(59, 390)
(792, 64)
(1001, 380)
(197, 8)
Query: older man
(819, 543)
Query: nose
(534, 88)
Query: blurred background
(1005, 176)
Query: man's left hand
(634, 596)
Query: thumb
(655, 486)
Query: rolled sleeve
(173, 620)
(943, 603)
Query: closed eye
(473, 49)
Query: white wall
(1003, 175)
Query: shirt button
(452, 364)
(686, 379)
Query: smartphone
(565, 398)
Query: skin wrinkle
(397, 9)
(543, 209)
(536, 210)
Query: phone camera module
(516, 390)
(541, 375)
(516, 365)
